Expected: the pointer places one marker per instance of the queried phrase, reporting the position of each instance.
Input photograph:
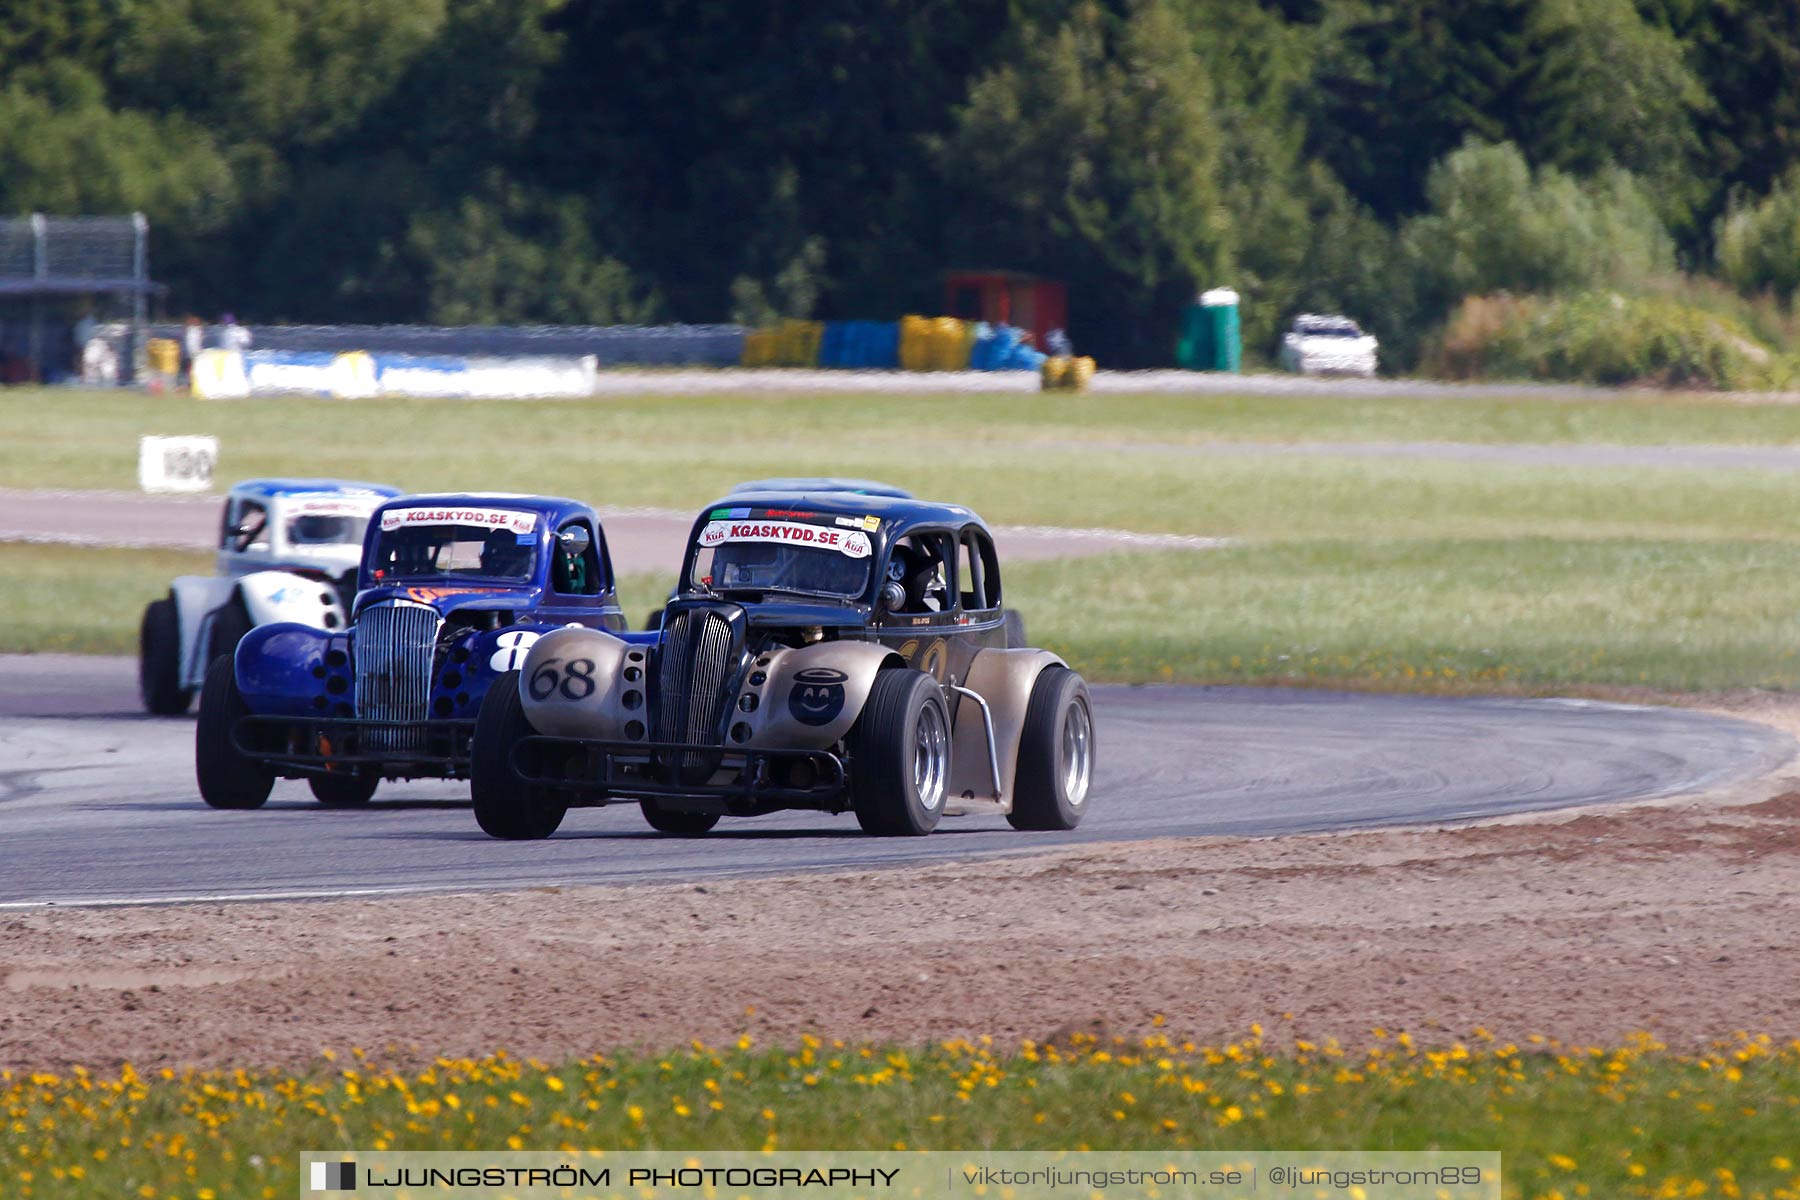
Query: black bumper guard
(603, 759)
(319, 744)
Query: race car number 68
(577, 683)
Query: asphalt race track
(97, 800)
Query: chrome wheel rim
(931, 757)
(1077, 753)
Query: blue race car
(454, 589)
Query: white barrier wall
(356, 375)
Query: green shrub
(1758, 241)
(1495, 225)
(1605, 338)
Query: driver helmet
(502, 554)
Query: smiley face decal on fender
(818, 695)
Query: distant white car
(288, 551)
(1328, 345)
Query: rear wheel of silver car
(227, 778)
(231, 621)
(1056, 753)
(900, 755)
(679, 824)
(505, 805)
(159, 660)
(345, 790)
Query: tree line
(600, 161)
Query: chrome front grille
(394, 648)
(694, 672)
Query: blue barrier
(860, 345)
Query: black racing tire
(159, 660)
(677, 824)
(505, 807)
(227, 778)
(1014, 624)
(1056, 754)
(900, 755)
(230, 622)
(344, 790)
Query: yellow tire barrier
(1067, 374)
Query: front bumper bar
(761, 781)
(316, 745)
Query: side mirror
(891, 598)
(575, 540)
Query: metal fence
(52, 269)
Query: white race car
(1321, 345)
(288, 551)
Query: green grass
(88, 601)
(1535, 614)
(1614, 1122)
(681, 450)
(682, 453)
(1531, 614)
(74, 599)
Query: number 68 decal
(575, 682)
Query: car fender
(272, 596)
(1004, 678)
(810, 696)
(196, 597)
(286, 669)
(577, 682)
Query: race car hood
(784, 614)
(447, 597)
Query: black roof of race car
(897, 514)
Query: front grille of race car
(394, 648)
(696, 667)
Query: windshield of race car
(763, 550)
(484, 543)
(320, 530)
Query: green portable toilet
(1210, 338)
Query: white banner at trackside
(356, 375)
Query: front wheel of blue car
(900, 755)
(505, 805)
(345, 790)
(227, 778)
(667, 820)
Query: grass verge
(1533, 614)
(1630, 1121)
(683, 450)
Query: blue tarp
(1002, 348)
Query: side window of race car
(246, 526)
(979, 571)
(576, 573)
(921, 564)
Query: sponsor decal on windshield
(481, 518)
(426, 595)
(331, 507)
(850, 543)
